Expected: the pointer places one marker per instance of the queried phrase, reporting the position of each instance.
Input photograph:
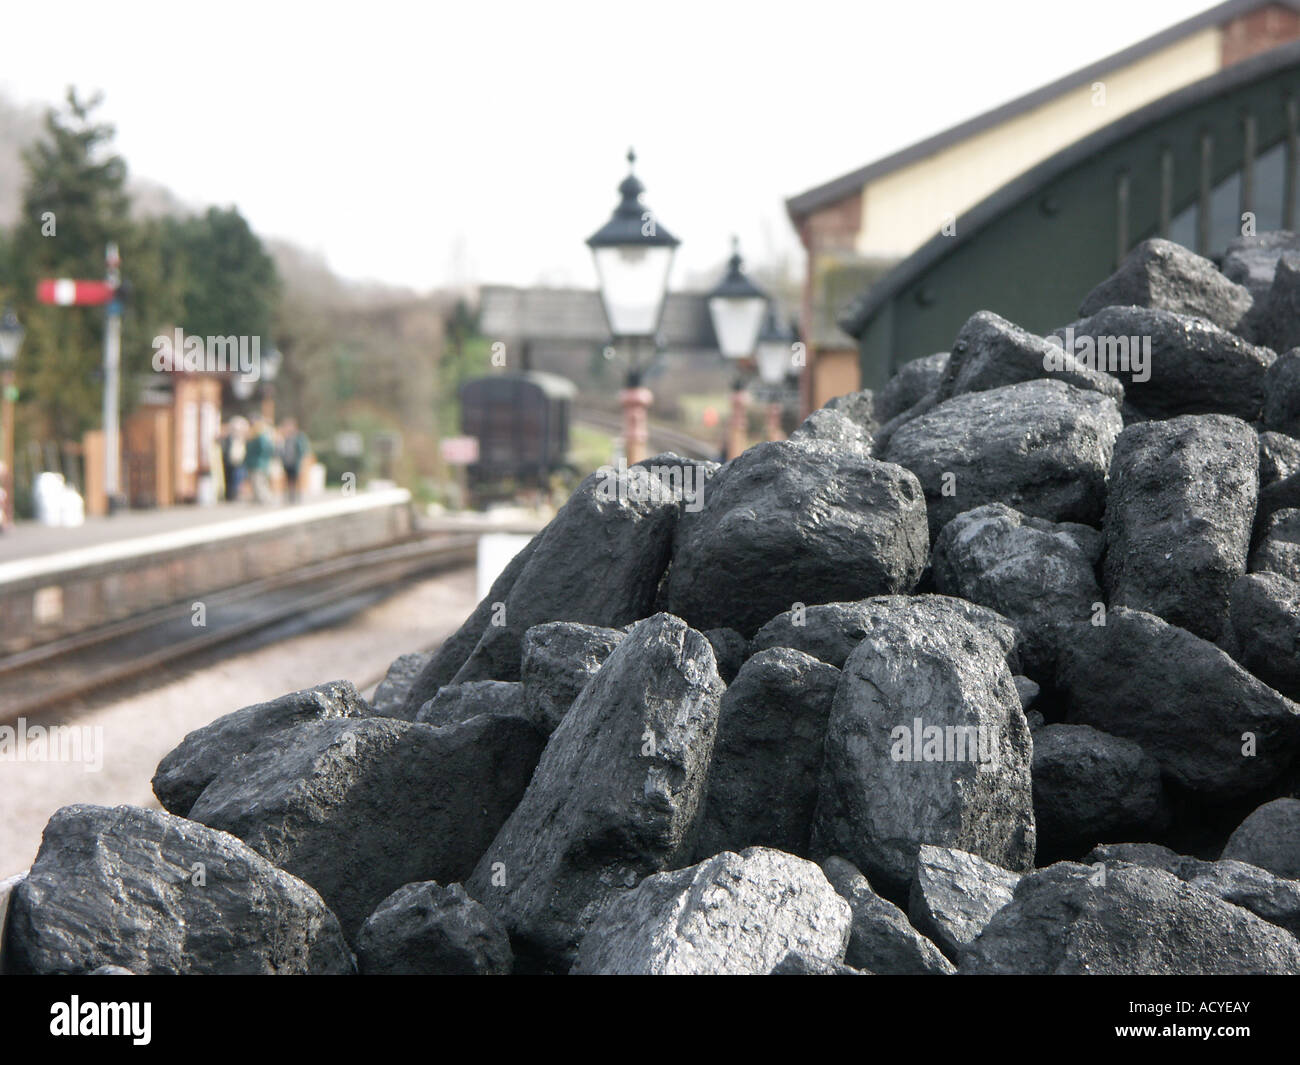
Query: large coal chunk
(154, 893)
(1279, 457)
(767, 755)
(1163, 275)
(559, 659)
(1274, 898)
(913, 382)
(1125, 920)
(616, 796)
(955, 894)
(1042, 447)
(209, 751)
(830, 631)
(1090, 786)
(1282, 394)
(1173, 364)
(792, 522)
(858, 407)
(1280, 495)
(426, 929)
(359, 808)
(926, 744)
(598, 562)
(882, 436)
(1252, 261)
(1278, 550)
(1037, 574)
(730, 649)
(991, 352)
(1179, 515)
(456, 649)
(1269, 838)
(882, 941)
(1263, 630)
(732, 915)
(455, 703)
(391, 693)
(1152, 854)
(1276, 322)
(1213, 727)
(834, 428)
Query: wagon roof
(553, 386)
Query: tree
(467, 354)
(74, 204)
(229, 285)
(208, 274)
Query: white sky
(388, 135)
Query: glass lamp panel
(774, 361)
(737, 323)
(11, 339)
(633, 279)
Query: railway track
(55, 673)
(661, 437)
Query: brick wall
(829, 230)
(1257, 32)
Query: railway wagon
(521, 421)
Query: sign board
(67, 292)
(460, 450)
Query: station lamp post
(11, 342)
(736, 306)
(270, 369)
(633, 254)
(774, 357)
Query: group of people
(249, 454)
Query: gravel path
(138, 730)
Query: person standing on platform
(260, 451)
(233, 452)
(295, 449)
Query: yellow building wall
(904, 209)
(836, 374)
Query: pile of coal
(993, 671)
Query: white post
(112, 367)
(112, 363)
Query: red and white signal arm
(460, 450)
(65, 292)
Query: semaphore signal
(69, 292)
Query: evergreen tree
(229, 285)
(74, 204)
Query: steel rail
(26, 684)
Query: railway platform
(57, 582)
(28, 539)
